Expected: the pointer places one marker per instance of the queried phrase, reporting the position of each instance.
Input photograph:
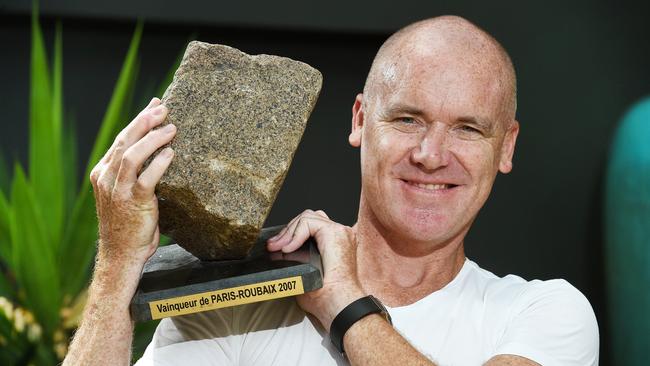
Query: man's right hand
(128, 235)
(127, 207)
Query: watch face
(384, 312)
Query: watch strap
(352, 313)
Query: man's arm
(106, 331)
(127, 212)
(371, 340)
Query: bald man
(435, 124)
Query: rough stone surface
(240, 119)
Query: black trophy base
(174, 282)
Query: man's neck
(397, 278)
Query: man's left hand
(338, 247)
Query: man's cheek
(476, 156)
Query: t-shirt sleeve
(197, 339)
(552, 323)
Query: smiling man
(435, 124)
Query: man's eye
(408, 124)
(470, 129)
(407, 120)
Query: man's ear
(508, 148)
(357, 121)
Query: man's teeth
(432, 187)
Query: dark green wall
(580, 64)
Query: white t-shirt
(475, 317)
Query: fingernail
(158, 110)
(169, 128)
(168, 152)
(274, 237)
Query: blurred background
(580, 65)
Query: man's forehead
(441, 55)
(434, 56)
(440, 86)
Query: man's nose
(432, 151)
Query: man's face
(432, 137)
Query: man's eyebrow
(404, 109)
(483, 122)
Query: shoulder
(550, 321)
(520, 295)
(557, 295)
(557, 309)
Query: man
(435, 123)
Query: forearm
(372, 341)
(106, 331)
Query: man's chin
(430, 237)
(429, 233)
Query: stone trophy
(240, 119)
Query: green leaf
(142, 337)
(6, 283)
(5, 178)
(164, 240)
(7, 278)
(44, 355)
(126, 111)
(78, 245)
(15, 345)
(112, 121)
(7, 288)
(69, 159)
(33, 257)
(5, 238)
(45, 166)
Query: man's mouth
(430, 186)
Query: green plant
(48, 225)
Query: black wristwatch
(351, 314)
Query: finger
(147, 119)
(144, 187)
(284, 230)
(306, 227)
(144, 122)
(138, 153)
(153, 103)
(272, 242)
(288, 238)
(277, 241)
(141, 125)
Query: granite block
(240, 119)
